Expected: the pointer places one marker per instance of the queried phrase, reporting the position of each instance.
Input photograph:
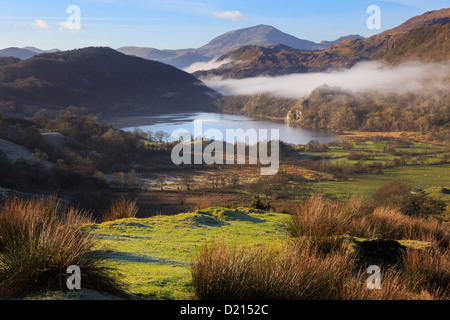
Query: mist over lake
(171, 122)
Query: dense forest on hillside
(261, 105)
(335, 109)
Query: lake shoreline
(222, 122)
(138, 121)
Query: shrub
(204, 203)
(39, 241)
(323, 223)
(257, 203)
(397, 194)
(121, 209)
(291, 272)
(391, 224)
(392, 192)
(428, 271)
(422, 205)
(356, 156)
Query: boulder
(377, 251)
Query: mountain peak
(260, 35)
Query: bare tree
(132, 179)
(118, 179)
(160, 182)
(150, 135)
(159, 136)
(187, 181)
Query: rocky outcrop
(376, 251)
(295, 115)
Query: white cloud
(201, 66)
(231, 15)
(40, 24)
(366, 76)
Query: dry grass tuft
(318, 219)
(39, 241)
(315, 265)
(121, 209)
(428, 272)
(292, 272)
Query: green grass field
(376, 152)
(153, 254)
(365, 185)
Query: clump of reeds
(39, 241)
(315, 265)
(292, 272)
(320, 221)
(121, 209)
(428, 271)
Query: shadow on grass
(130, 257)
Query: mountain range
(104, 80)
(422, 38)
(261, 35)
(23, 53)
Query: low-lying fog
(365, 76)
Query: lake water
(187, 121)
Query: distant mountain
(262, 35)
(39, 51)
(103, 81)
(177, 58)
(17, 53)
(23, 53)
(423, 38)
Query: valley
(88, 176)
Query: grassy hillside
(154, 256)
(154, 253)
(427, 44)
(365, 185)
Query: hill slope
(102, 80)
(154, 253)
(423, 38)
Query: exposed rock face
(295, 114)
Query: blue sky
(177, 24)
